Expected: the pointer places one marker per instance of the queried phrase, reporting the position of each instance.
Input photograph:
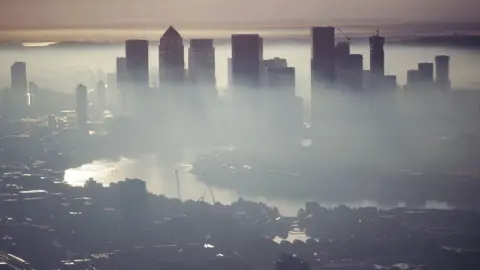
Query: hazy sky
(50, 14)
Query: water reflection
(161, 179)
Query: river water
(161, 179)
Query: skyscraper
(322, 71)
(19, 77)
(19, 88)
(136, 52)
(425, 72)
(377, 56)
(171, 58)
(342, 51)
(323, 56)
(442, 72)
(201, 62)
(81, 108)
(354, 71)
(247, 54)
(122, 73)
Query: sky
(96, 14)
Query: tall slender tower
(171, 58)
(323, 56)
(19, 88)
(136, 52)
(322, 71)
(82, 108)
(201, 62)
(377, 56)
(442, 72)
(247, 55)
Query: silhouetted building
(377, 55)
(171, 58)
(247, 54)
(82, 108)
(19, 88)
(322, 71)
(281, 80)
(19, 77)
(425, 72)
(136, 52)
(377, 60)
(275, 62)
(442, 72)
(342, 51)
(390, 82)
(354, 72)
(413, 78)
(122, 73)
(201, 62)
(133, 201)
(323, 56)
(284, 116)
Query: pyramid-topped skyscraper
(171, 58)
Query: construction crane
(345, 35)
(209, 188)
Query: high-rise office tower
(342, 51)
(19, 77)
(413, 78)
(171, 58)
(377, 55)
(390, 82)
(281, 80)
(247, 54)
(283, 114)
(323, 73)
(442, 72)
(425, 72)
(81, 108)
(270, 64)
(136, 52)
(19, 88)
(201, 62)
(354, 72)
(274, 63)
(323, 57)
(122, 73)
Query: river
(161, 179)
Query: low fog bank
(421, 130)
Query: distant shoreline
(452, 40)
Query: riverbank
(305, 178)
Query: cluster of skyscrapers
(262, 91)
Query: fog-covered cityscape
(322, 151)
